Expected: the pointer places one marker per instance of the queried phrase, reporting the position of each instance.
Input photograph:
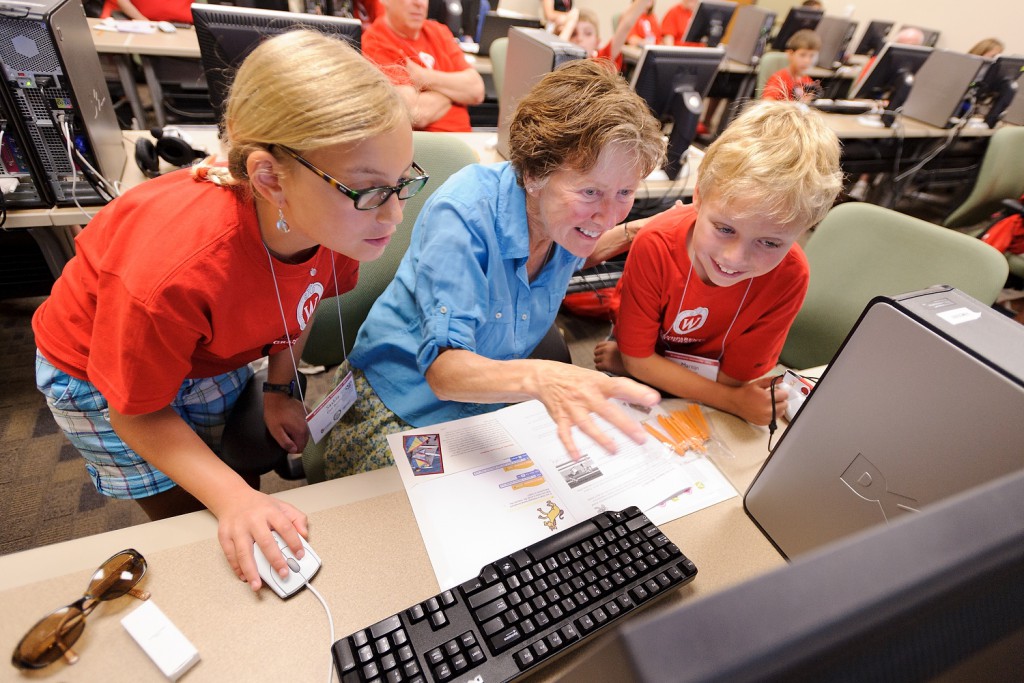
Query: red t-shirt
(743, 329)
(606, 53)
(646, 27)
(156, 10)
(780, 85)
(675, 23)
(386, 48)
(172, 281)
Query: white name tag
(323, 418)
(705, 367)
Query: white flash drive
(168, 647)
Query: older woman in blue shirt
(488, 264)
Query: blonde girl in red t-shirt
(177, 285)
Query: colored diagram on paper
(424, 453)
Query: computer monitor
(227, 35)
(931, 36)
(836, 34)
(709, 21)
(275, 5)
(751, 29)
(535, 52)
(890, 76)
(936, 595)
(941, 86)
(674, 80)
(1015, 112)
(998, 86)
(797, 19)
(874, 38)
(497, 25)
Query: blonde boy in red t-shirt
(792, 82)
(710, 289)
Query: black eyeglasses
(372, 197)
(52, 637)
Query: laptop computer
(924, 399)
(497, 24)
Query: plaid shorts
(116, 470)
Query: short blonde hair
(986, 45)
(572, 114)
(589, 16)
(804, 39)
(305, 90)
(778, 160)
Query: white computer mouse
(301, 569)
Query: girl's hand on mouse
(249, 519)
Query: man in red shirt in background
(423, 59)
(152, 10)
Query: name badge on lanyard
(705, 367)
(323, 418)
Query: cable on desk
(330, 621)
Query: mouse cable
(330, 621)
(773, 425)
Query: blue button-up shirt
(463, 285)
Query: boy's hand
(753, 401)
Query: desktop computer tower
(535, 52)
(53, 85)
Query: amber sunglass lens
(50, 638)
(117, 576)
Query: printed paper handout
(485, 486)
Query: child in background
(793, 83)
(676, 21)
(645, 30)
(582, 30)
(710, 289)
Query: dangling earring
(282, 224)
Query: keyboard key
(524, 659)
(487, 595)
(386, 626)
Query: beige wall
(962, 23)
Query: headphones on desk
(172, 145)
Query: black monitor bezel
(874, 37)
(797, 18)
(220, 67)
(703, 18)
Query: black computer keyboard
(524, 609)
(853, 107)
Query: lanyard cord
(682, 300)
(284, 321)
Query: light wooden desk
(374, 565)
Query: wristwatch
(288, 389)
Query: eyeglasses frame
(354, 195)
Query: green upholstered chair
(1001, 176)
(770, 63)
(498, 53)
(861, 251)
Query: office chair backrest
(440, 154)
(770, 63)
(1000, 177)
(860, 251)
(499, 50)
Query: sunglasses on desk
(52, 637)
